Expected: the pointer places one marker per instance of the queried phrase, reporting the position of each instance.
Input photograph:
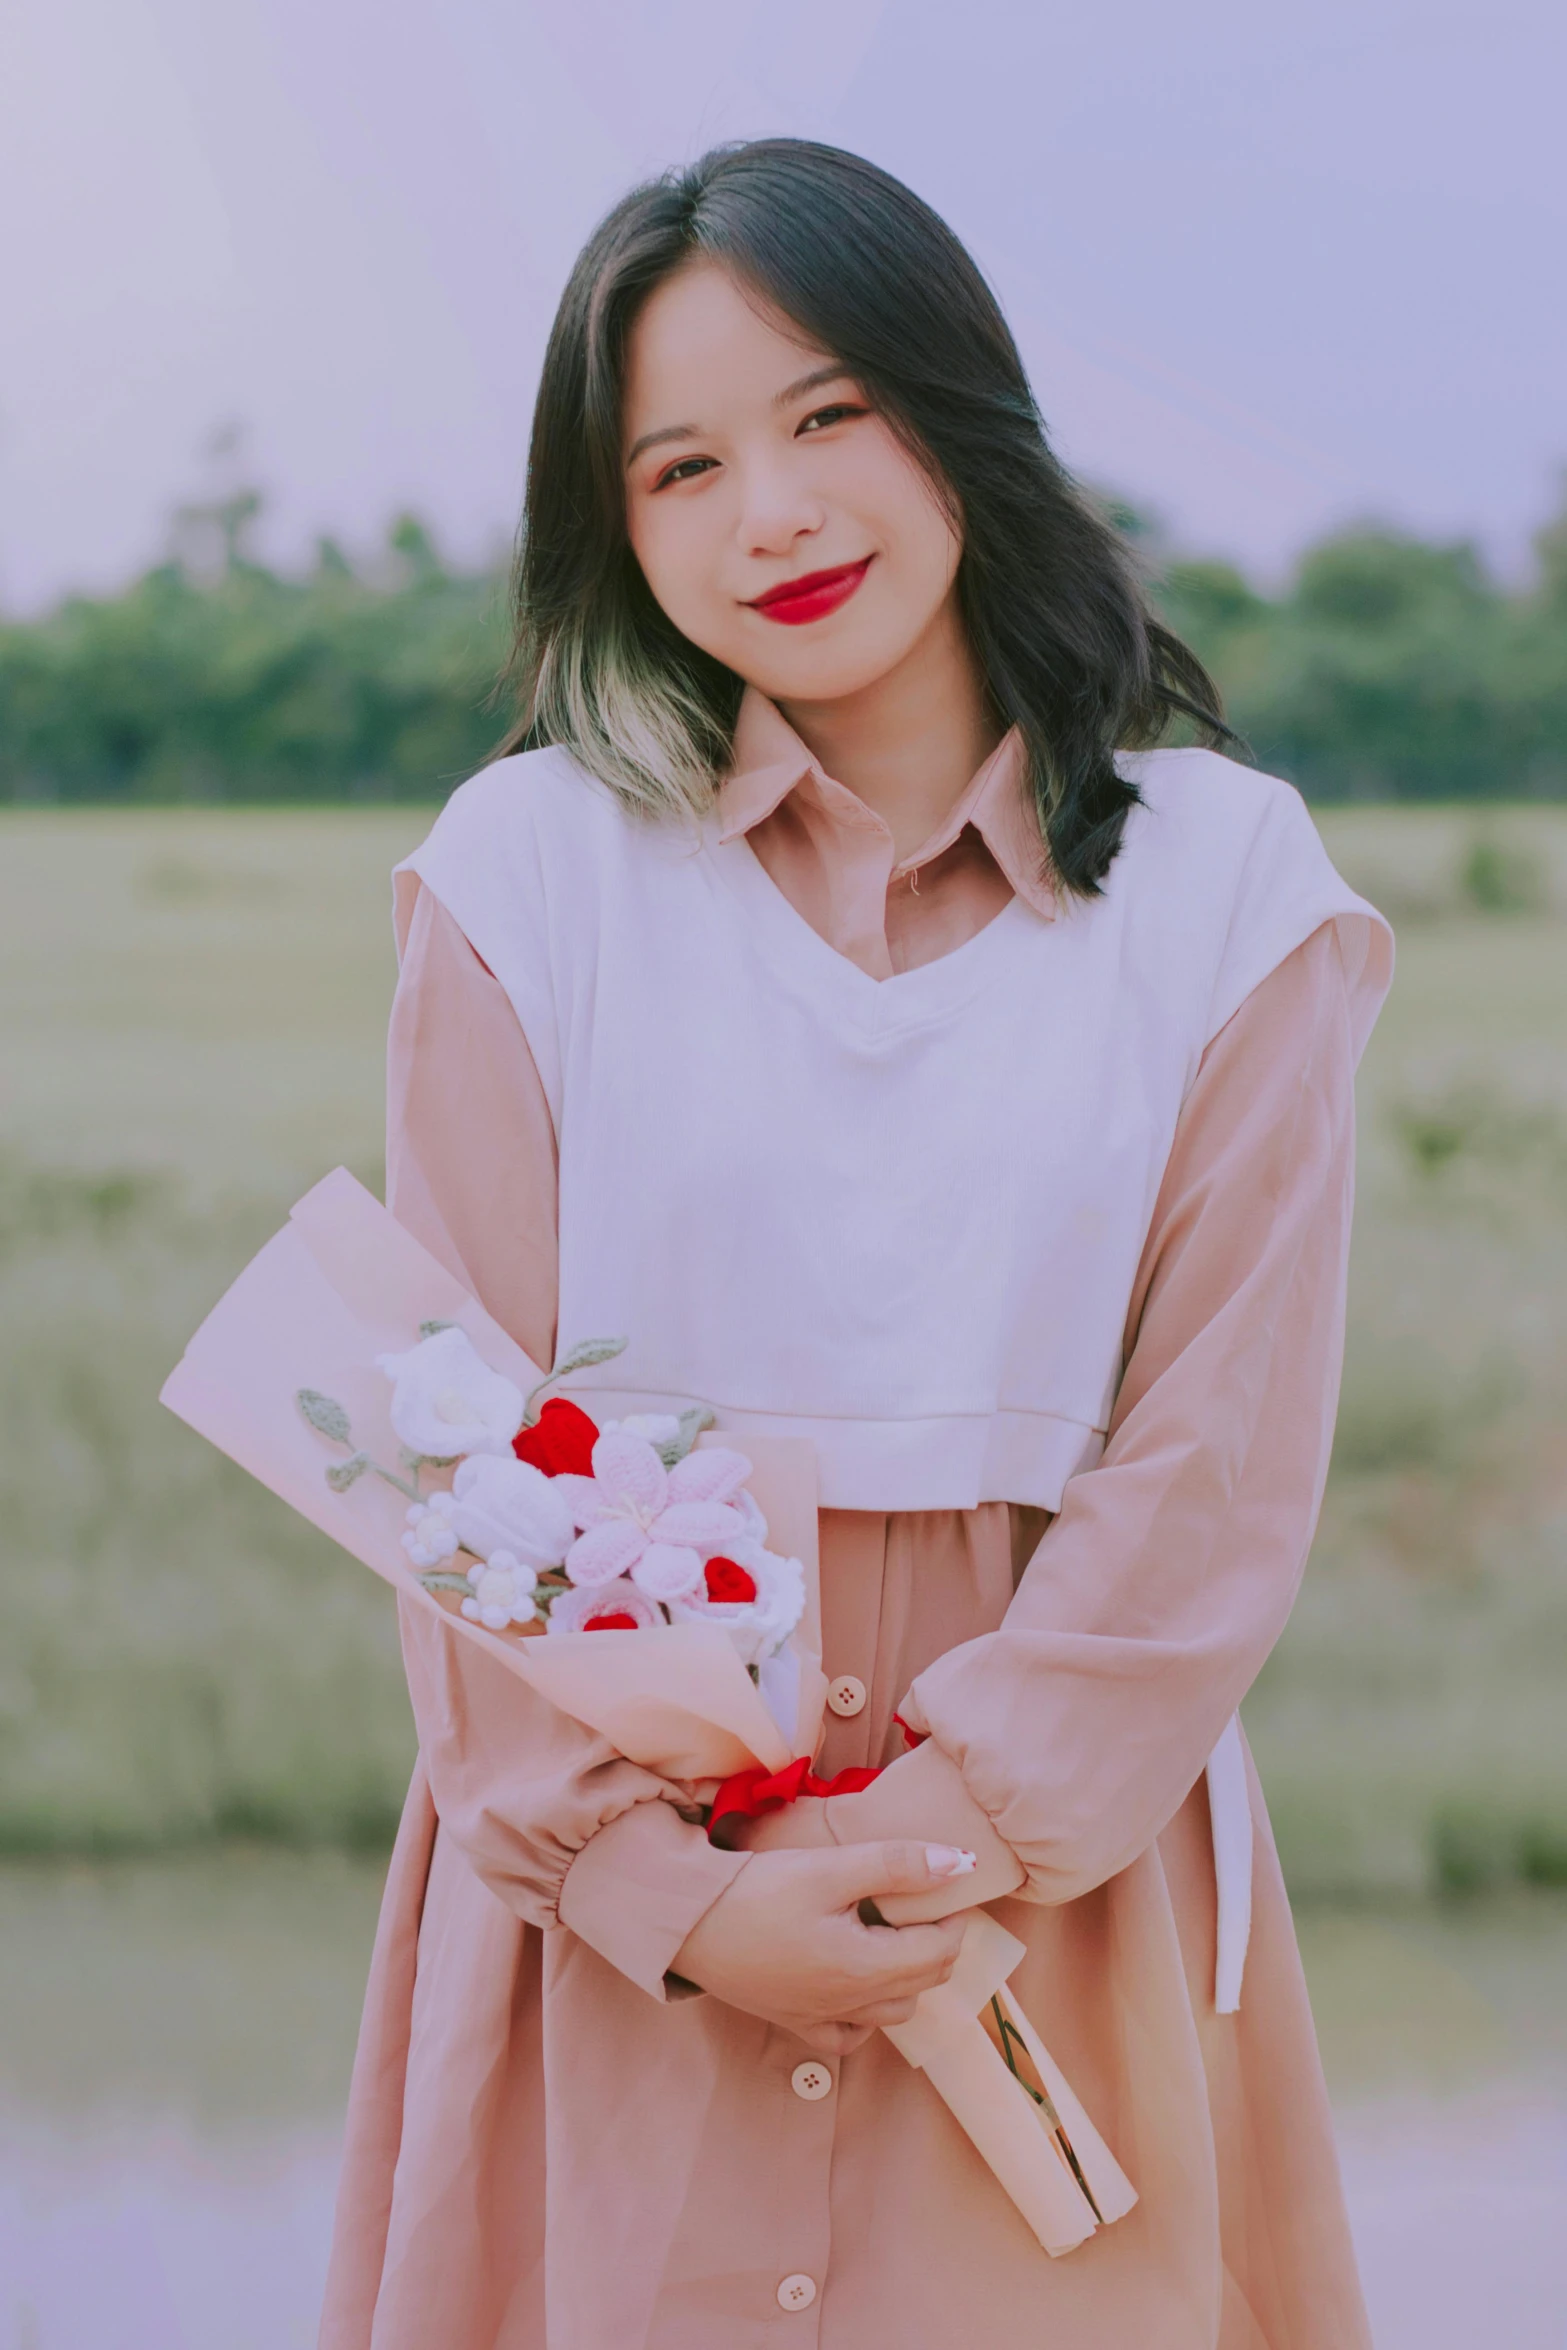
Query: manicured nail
(949, 1860)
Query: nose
(777, 509)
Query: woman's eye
(819, 418)
(686, 469)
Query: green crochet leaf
(592, 1350)
(434, 1329)
(342, 1474)
(325, 1414)
(692, 1422)
(441, 1579)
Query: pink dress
(549, 2146)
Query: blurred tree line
(1387, 669)
(1391, 669)
(214, 678)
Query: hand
(855, 1821)
(786, 1941)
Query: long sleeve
(1071, 1735)
(551, 1818)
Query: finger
(937, 1901)
(938, 1905)
(905, 1959)
(859, 1872)
(884, 2011)
(935, 1934)
(835, 2039)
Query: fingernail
(949, 1860)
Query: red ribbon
(757, 1790)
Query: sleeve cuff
(638, 1886)
(922, 1795)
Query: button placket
(801, 2127)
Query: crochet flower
(502, 1593)
(654, 1524)
(605, 1607)
(505, 1504)
(657, 1427)
(446, 1400)
(755, 1524)
(752, 1594)
(728, 1583)
(431, 1537)
(560, 1441)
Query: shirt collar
(769, 761)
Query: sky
(1273, 267)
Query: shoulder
(523, 802)
(1203, 808)
(1229, 862)
(519, 835)
(542, 814)
(536, 859)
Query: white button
(846, 1695)
(811, 2081)
(797, 2292)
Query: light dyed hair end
(628, 717)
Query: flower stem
(1009, 2033)
(580, 1358)
(391, 1477)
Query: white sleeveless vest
(901, 1217)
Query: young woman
(838, 992)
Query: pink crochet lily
(657, 1525)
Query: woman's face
(778, 520)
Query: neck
(911, 743)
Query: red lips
(812, 597)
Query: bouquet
(674, 1579)
(644, 1576)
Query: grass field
(191, 1015)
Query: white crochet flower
(755, 1524)
(657, 1427)
(654, 1524)
(509, 1505)
(502, 1592)
(760, 1626)
(578, 1610)
(446, 1400)
(430, 1539)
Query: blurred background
(275, 289)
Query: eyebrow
(791, 392)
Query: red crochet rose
(619, 1621)
(728, 1583)
(560, 1442)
